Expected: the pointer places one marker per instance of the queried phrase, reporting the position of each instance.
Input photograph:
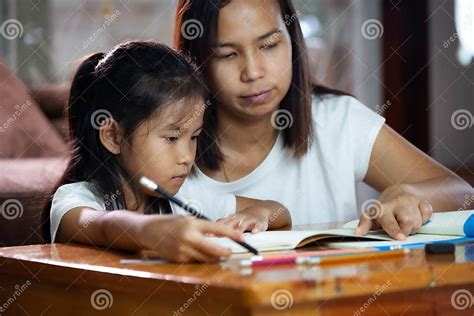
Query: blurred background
(411, 61)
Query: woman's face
(251, 70)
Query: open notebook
(446, 226)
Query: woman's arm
(413, 185)
(258, 215)
(176, 238)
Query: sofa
(33, 154)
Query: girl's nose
(185, 155)
(253, 68)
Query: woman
(271, 133)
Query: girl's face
(251, 70)
(163, 148)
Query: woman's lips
(258, 98)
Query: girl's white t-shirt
(80, 194)
(319, 187)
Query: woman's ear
(111, 135)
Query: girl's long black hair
(130, 84)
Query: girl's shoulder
(82, 186)
(77, 191)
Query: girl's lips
(260, 98)
(181, 177)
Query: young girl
(138, 111)
(271, 133)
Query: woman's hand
(257, 216)
(183, 239)
(251, 219)
(399, 212)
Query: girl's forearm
(122, 229)
(448, 193)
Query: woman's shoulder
(332, 102)
(332, 108)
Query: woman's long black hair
(298, 99)
(130, 84)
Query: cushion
(25, 131)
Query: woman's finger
(406, 219)
(364, 225)
(391, 226)
(426, 211)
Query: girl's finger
(190, 253)
(219, 229)
(207, 249)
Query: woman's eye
(171, 139)
(270, 46)
(226, 56)
(195, 137)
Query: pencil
(151, 185)
(353, 257)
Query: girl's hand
(399, 212)
(251, 219)
(183, 239)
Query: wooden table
(74, 279)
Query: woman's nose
(253, 69)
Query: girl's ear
(111, 135)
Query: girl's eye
(195, 138)
(171, 139)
